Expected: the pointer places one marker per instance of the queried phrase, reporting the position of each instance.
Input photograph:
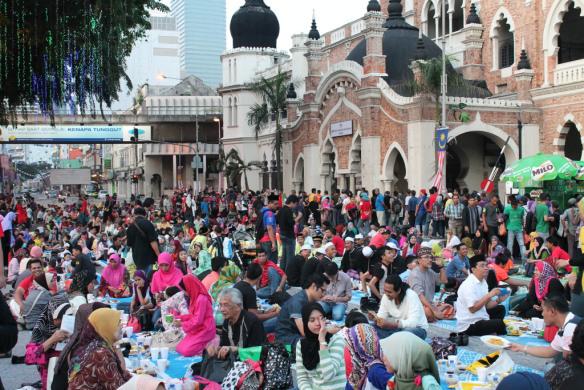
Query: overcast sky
(295, 15)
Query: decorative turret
(473, 17)
(373, 6)
(420, 48)
(314, 34)
(291, 92)
(523, 61)
(254, 25)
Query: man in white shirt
(556, 312)
(476, 311)
(400, 310)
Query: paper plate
(495, 342)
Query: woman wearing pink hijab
(199, 324)
(166, 276)
(115, 279)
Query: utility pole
(444, 87)
(196, 189)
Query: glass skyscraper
(201, 37)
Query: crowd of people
(178, 266)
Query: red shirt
(365, 209)
(339, 244)
(558, 254)
(378, 241)
(266, 267)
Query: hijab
(363, 345)
(410, 357)
(194, 288)
(309, 344)
(114, 274)
(542, 283)
(44, 327)
(523, 381)
(227, 277)
(142, 275)
(106, 323)
(172, 277)
(80, 321)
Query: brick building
(354, 120)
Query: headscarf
(83, 275)
(542, 284)
(363, 345)
(106, 323)
(114, 274)
(80, 321)
(172, 277)
(194, 288)
(410, 356)
(523, 381)
(44, 327)
(309, 345)
(142, 275)
(227, 277)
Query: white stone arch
(562, 130)
(495, 22)
(425, 9)
(391, 155)
(342, 101)
(229, 117)
(495, 134)
(355, 146)
(299, 168)
(555, 17)
(329, 81)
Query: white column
(174, 181)
(203, 177)
(352, 182)
(437, 26)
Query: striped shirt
(454, 211)
(329, 374)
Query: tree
(67, 53)
(235, 167)
(272, 93)
(32, 170)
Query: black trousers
(494, 325)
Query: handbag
(217, 369)
(442, 348)
(135, 324)
(502, 230)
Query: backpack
(276, 365)
(530, 222)
(396, 206)
(442, 348)
(216, 247)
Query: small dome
(254, 25)
(373, 6)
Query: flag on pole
(441, 144)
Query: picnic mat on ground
(178, 365)
(467, 357)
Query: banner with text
(73, 133)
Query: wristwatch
(324, 343)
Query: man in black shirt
(317, 264)
(294, 270)
(390, 263)
(241, 329)
(250, 302)
(143, 240)
(286, 222)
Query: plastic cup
(155, 353)
(162, 364)
(164, 353)
(452, 362)
(169, 318)
(482, 374)
(147, 341)
(140, 340)
(129, 331)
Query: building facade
(354, 120)
(201, 37)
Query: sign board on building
(340, 129)
(70, 176)
(73, 133)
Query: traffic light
(135, 137)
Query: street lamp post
(220, 177)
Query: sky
(295, 16)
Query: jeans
(456, 225)
(155, 317)
(511, 236)
(274, 280)
(272, 255)
(270, 325)
(381, 220)
(439, 228)
(288, 248)
(383, 333)
(338, 309)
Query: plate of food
(495, 342)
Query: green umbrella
(540, 167)
(580, 174)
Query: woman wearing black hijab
(320, 363)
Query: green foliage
(67, 53)
(273, 93)
(234, 167)
(29, 171)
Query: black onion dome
(254, 25)
(373, 6)
(314, 34)
(401, 47)
(473, 17)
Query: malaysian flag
(441, 144)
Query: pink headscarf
(114, 274)
(161, 280)
(542, 283)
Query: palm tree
(234, 167)
(273, 93)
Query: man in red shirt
(36, 268)
(338, 242)
(273, 278)
(380, 238)
(558, 258)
